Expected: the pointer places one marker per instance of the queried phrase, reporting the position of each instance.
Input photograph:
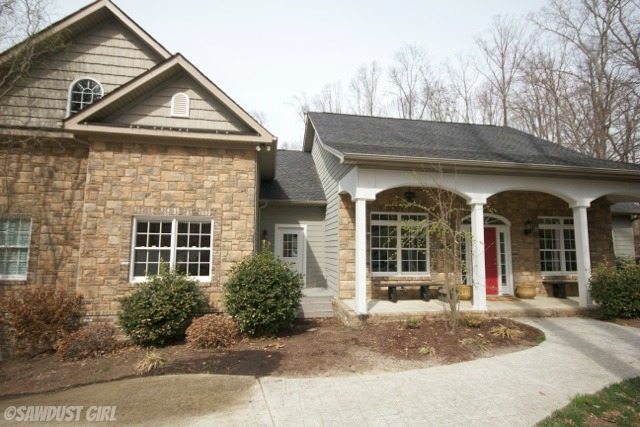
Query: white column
(581, 227)
(361, 256)
(477, 255)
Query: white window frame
(174, 113)
(398, 224)
(19, 277)
(73, 83)
(174, 240)
(559, 228)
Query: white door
(290, 246)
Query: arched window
(83, 92)
(180, 105)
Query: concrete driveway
(516, 389)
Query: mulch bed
(312, 348)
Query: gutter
(292, 202)
(382, 160)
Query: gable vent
(180, 105)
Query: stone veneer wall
(517, 207)
(128, 180)
(46, 183)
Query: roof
(625, 208)
(296, 179)
(380, 136)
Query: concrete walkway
(517, 389)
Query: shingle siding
(330, 171)
(109, 53)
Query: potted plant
(465, 292)
(526, 290)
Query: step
(316, 306)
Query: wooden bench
(559, 286)
(392, 289)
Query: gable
(98, 41)
(154, 110)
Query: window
(557, 245)
(180, 105)
(15, 237)
(185, 244)
(83, 92)
(290, 245)
(399, 244)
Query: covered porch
(517, 233)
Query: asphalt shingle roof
(296, 179)
(351, 134)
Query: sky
(263, 53)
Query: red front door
(491, 260)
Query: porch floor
(540, 306)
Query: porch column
(361, 256)
(583, 256)
(477, 256)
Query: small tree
(263, 294)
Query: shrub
(161, 309)
(37, 318)
(212, 331)
(263, 294)
(617, 292)
(473, 320)
(92, 340)
(149, 362)
(503, 331)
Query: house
(119, 154)
(538, 213)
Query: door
(290, 246)
(491, 260)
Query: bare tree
(504, 48)
(407, 77)
(365, 90)
(463, 83)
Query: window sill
(13, 278)
(400, 275)
(201, 280)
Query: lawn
(618, 405)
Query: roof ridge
(409, 120)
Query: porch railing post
(477, 255)
(583, 257)
(361, 256)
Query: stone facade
(517, 207)
(82, 201)
(44, 180)
(128, 180)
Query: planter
(465, 292)
(526, 291)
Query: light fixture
(409, 196)
(264, 235)
(528, 228)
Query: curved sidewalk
(518, 389)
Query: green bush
(161, 309)
(617, 291)
(263, 294)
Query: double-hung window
(557, 245)
(15, 236)
(399, 244)
(185, 244)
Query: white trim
(172, 250)
(302, 248)
(399, 272)
(506, 229)
(71, 88)
(19, 277)
(558, 227)
(187, 106)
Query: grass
(618, 405)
